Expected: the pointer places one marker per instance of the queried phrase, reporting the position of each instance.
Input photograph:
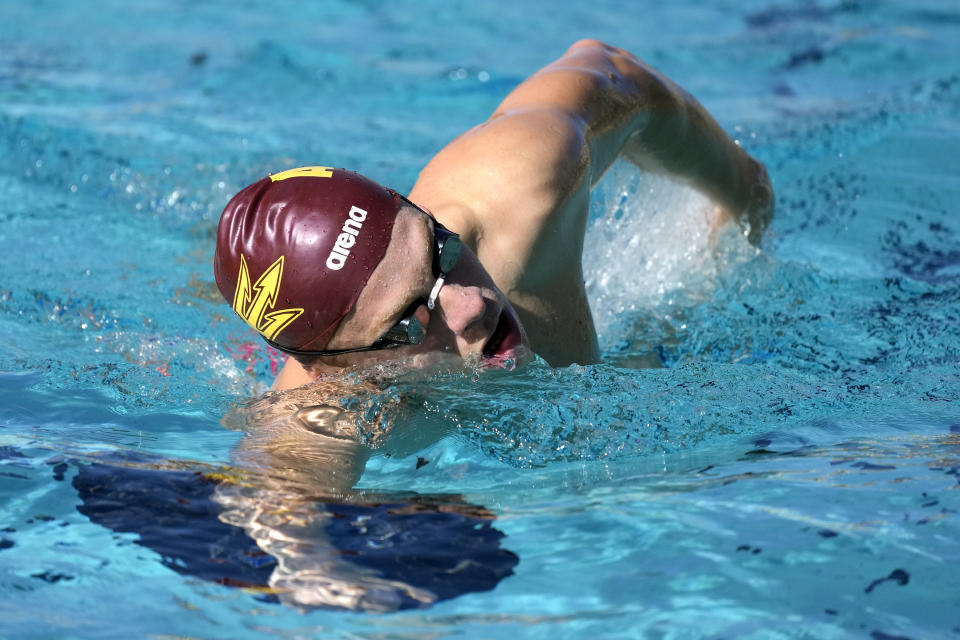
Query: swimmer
(482, 259)
(479, 264)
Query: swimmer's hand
(759, 210)
(755, 214)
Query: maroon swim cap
(295, 249)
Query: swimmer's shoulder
(510, 182)
(516, 168)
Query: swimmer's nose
(464, 310)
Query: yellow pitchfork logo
(252, 309)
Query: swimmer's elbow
(584, 43)
(628, 81)
(590, 43)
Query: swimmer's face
(471, 319)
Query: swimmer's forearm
(684, 142)
(668, 131)
(291, 457)
(301, 439)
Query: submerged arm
(294, 495)
(301, 441)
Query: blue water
(770, 448)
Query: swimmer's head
(295, 250)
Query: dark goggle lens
(408, 331)
(447, 249)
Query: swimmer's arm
(627, 108)
(310, 437)
(302, 439)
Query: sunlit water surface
(771, 447)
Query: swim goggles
(409, 330)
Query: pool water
(771, 447)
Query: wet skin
(468, 308)
(517, 190)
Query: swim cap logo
(253, 309)
(341, 249)
(303, 172)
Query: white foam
(649, 244)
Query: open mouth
(500, 349)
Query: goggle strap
(432, 300)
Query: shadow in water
(388, 552)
